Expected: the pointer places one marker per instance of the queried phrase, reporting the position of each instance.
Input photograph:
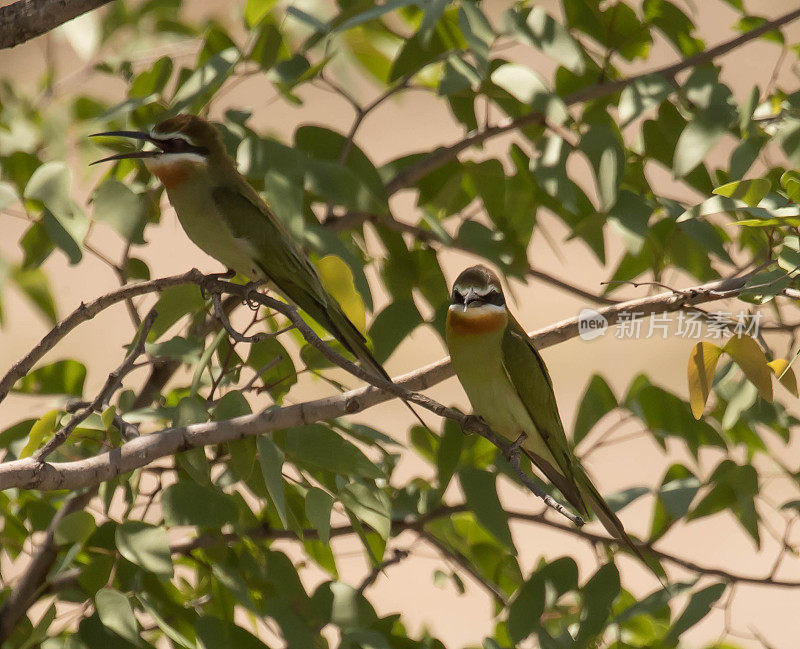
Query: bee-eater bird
(509, 386)
(226, 218)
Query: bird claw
(204, 290)
(471, 421)
(252, 303)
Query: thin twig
(29, 474)
(33, 578)
(103, 397)
(397, 556)
(413, 173)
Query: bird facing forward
(509, 386)
(224, 216)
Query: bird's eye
(457, 298)
(494, 297)
(178, 144)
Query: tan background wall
(416, 122)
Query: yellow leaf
(42, 428)
(750, 358)
(785, 374)
(337, 279)
(702, 364)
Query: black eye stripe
(495, 297)
(179, 145)
(457, 298)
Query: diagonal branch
(267, 533)
(413, 173)
(27, 19)
(29, 474)
(84, 313)
(111, 385)
(27, 588)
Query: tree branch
(29, 474)
(86, 312)
(264, 533)
(27, 19)
(103, 397)
(25, 592)
(413, 173)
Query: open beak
(470, 296)
(136, 135)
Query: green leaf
(8, 195)
(318, 510)
(734, 487)
(695, 141)
(256, 10)
(271, 459)
(118, 206)
(175, 303)
(75, 528)
(698, 607)
(750, 192)
(526, 608)
(372, 13)
(526, 86)
(621, 499)
(35, 285)
(204, 82)
(61, 377)
(673, 499)
(50, 184)
(598, 594)
(177, 349)
(448, 453)
(602, 144)
(116, 614)
(370, 505)
(317, 445)
(598, 400)
(37, 246)
(270, 359)
(190, 503)
(550, 36)
(146, 546)
(645, 92)
(40, 432)
(481, 492)
(63, 221)
(213, 633)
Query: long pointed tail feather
(341, 327)
(581, 493)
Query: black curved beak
(136, 135)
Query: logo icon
(591, 324)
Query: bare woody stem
(27, 19)
(189, 545)
(111, 385)
(410, 175)
(30, 474)
(26, 590)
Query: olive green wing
(530, 377)
(528, 373)
(288, 267)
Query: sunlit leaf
(702, 365)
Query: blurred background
(406, 124)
